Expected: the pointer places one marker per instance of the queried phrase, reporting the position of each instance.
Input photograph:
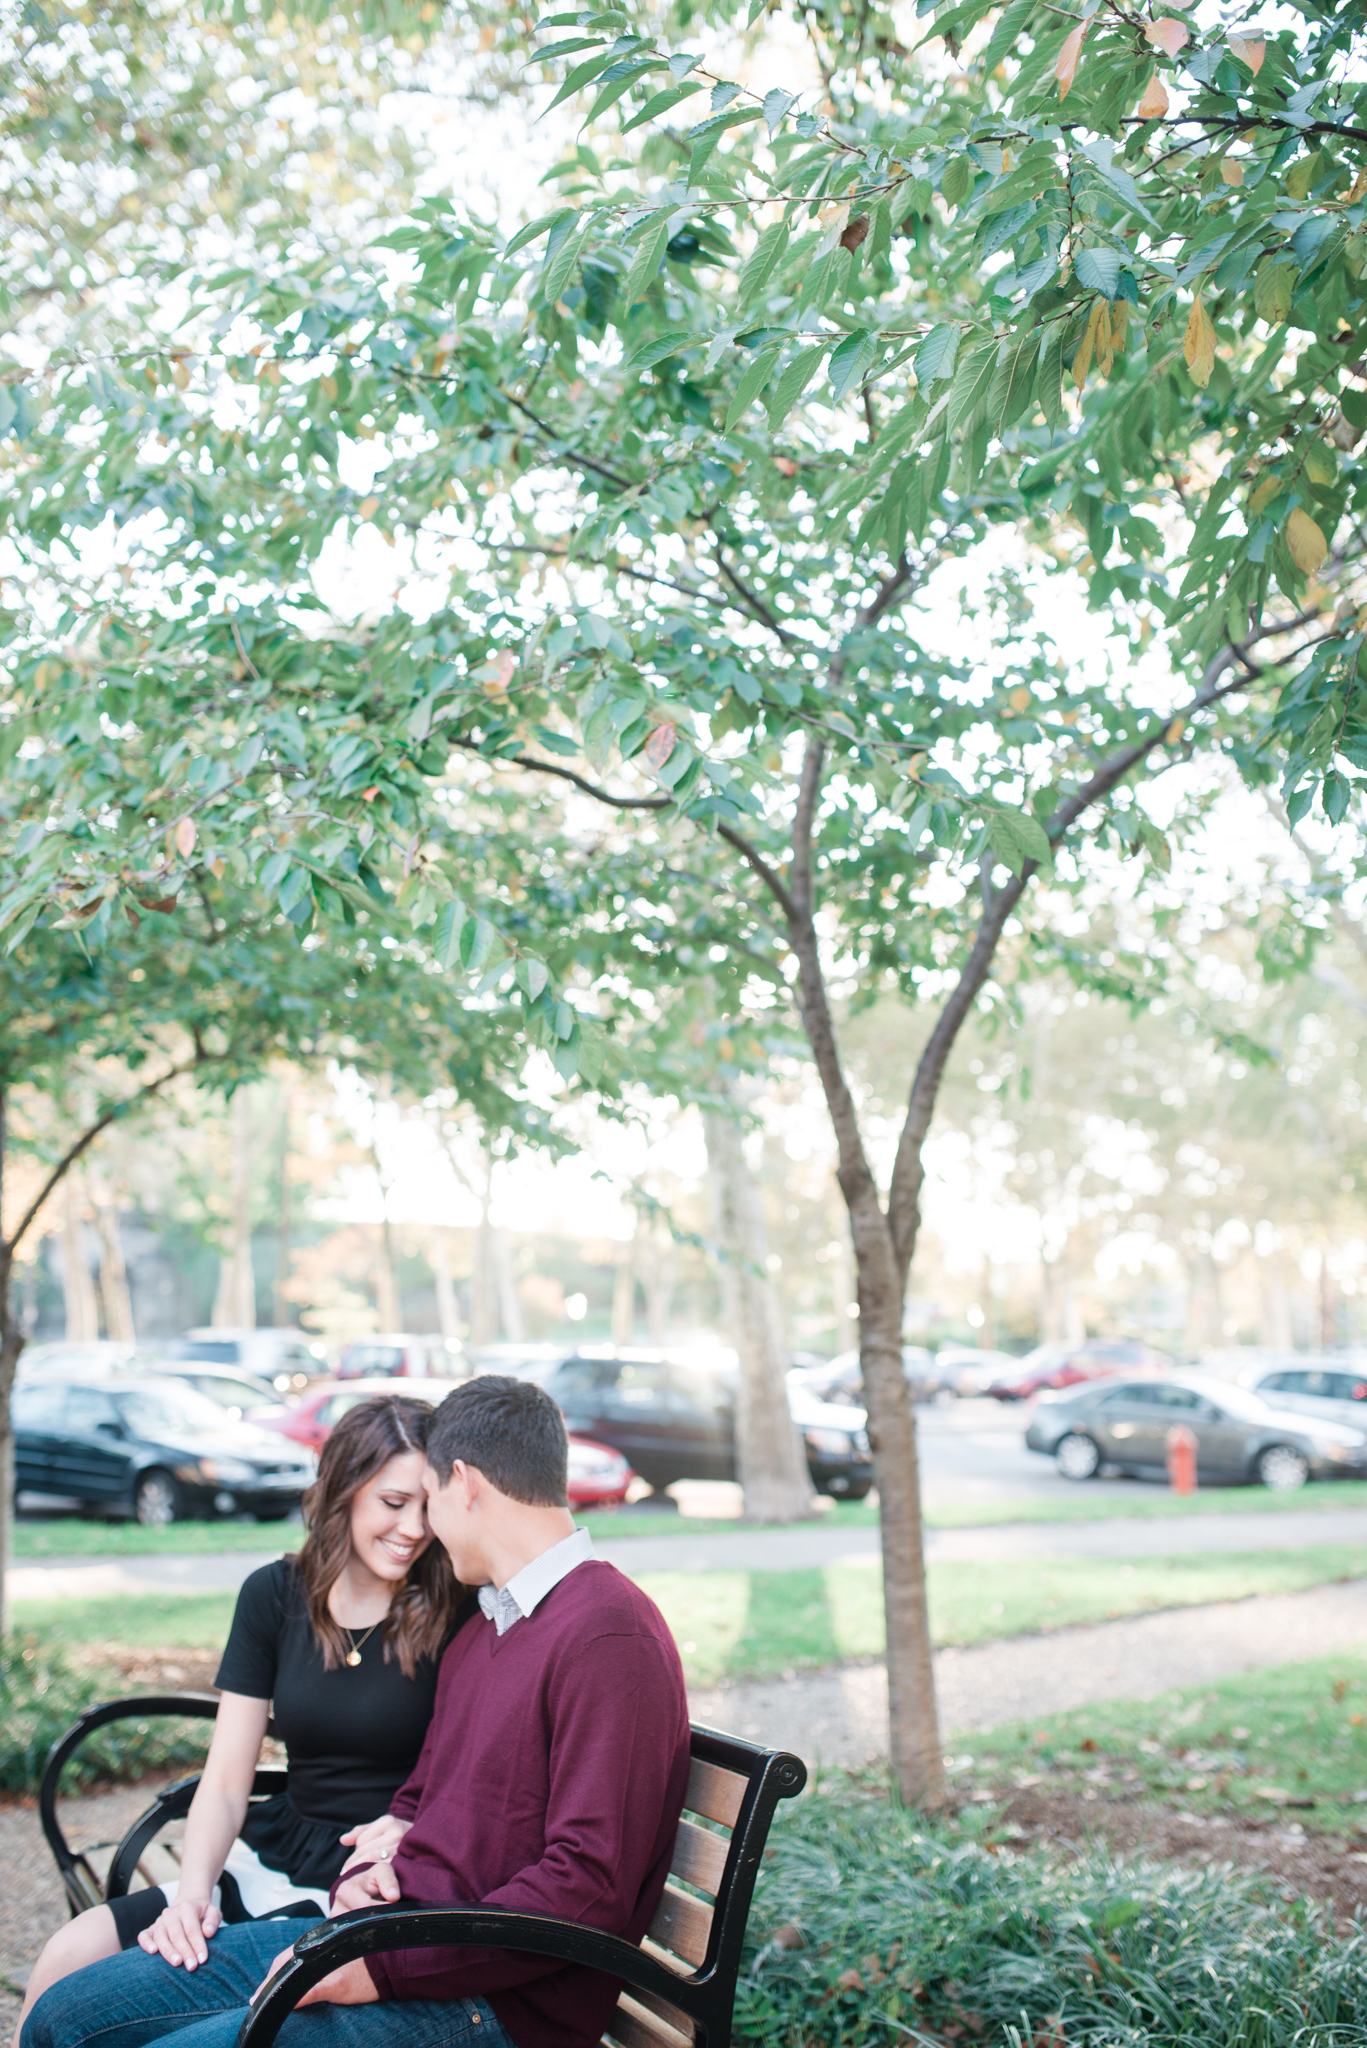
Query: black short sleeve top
(352, 1735)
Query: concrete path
(840, 1716)
(767, 1550)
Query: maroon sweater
(551, 1781)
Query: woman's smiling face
(389, 1518)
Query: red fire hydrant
(1181, 1459)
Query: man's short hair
(511, 1431)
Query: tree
(738, 609)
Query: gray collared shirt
(526, 1589)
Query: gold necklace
(353, 1656)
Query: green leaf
(661, 103)
(446, 939)
(535, 229)
(972, 382)
(646, 262)
(759, 266)
(956, 181)
(935, 356)
(581, 75)
(1014, 383)
(750, 386)
(659, 347)
(1051, 374)
(1098, 270)
(850, 360)
(561, 267)
(1017, 837)
(794, 382)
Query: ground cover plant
(41, 1694)
(872, 1925)
(1291, 1738)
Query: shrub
(871, 1924)
(41, 1695)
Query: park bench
(679, 1985)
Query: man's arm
(614, 1767)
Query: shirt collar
(525, 1591)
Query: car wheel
(860, 1490)
(1282, 1468)
(1076, 1456)
(271, 1515)
(157, 1500)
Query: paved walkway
(767, 1550)
(840, 1716)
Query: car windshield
(1239, 1401)
(236, 1394)
(155, 1411)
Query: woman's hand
(375, 1842)
(183, 1931)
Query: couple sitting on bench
(550, 1780)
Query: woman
(345, 1638)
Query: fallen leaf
(789, 1936)
(1066, 68)
(660, 746)
(1308, 546)
(1167, 35)
(850, 1980)
(1249, 50)
(1198, 344)
(186, 835)
(1154, 104)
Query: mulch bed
(1298, 1861)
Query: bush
(872, 1925)
(40, 1697)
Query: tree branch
(809, 790)
(111, 1115)
(604, 796)
(571, 455)
(767, 875)
(755, 603)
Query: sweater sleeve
(611, 1764)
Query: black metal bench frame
(704, 1995)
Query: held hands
(378, 1886)
(375, 1841)
(351, 1985)
(181, 1933)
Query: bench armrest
(376, 1929)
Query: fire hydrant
(1181, 1459)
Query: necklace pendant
(353, 1658)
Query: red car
(1067, 1365)
(598, 1476)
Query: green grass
(1294, 1737)
(739, 1624)
(872, 1926)
(78, 1537)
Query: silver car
(1334, 1390)
(1240, 1437)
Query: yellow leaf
(1019, 700)
(1302, 176)
(218, 869)
(181, 373)
(1307, 545)
(1175, 731)
(1232, 171)
(1082, 361)
(1154, 104)
(1249, 50)
(329, 385)
(1066, 68)
(1321, 465)
(1265, 493)
(367, 508)
(1167, 35)
(185, 837)
(1198, 344)
(1120, 315)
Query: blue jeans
(134, 1998)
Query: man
(551, 1781)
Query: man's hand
(182, 1931)
(376, 1841)
(378, 1886)
(351, 1985)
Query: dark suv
(672, 1419)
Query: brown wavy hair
(425, 1604)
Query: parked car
(598, 1475)
(238, 1393)
(968, 1370)
(1240, 1437)
(402, 1357)
(842, 1377)
(1068, 1364)
(1312, 1384)
(64, 1359)
(674, 1418)
(153, 1448)
(284, 1357)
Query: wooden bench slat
(661, 2007)
(715, 1793)
(683, 1923)
(699, 1858)
(632, 2026)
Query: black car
(672, 1419)
(154, 1448)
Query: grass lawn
(73, 1536)
(738, 1624)
(1293, 1736)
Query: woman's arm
(216, 1813)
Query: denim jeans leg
(133, 1998)
(405, 2023)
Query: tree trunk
(235, 1301)
(78, 1283)
(118, 1302)
(11, 1344)
(505, 1281)
(386, 1281)
(483, 1287)
(282, 1309)
(769, 1455)
(661, 1270)
(624, 1295)
(448, 1309)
